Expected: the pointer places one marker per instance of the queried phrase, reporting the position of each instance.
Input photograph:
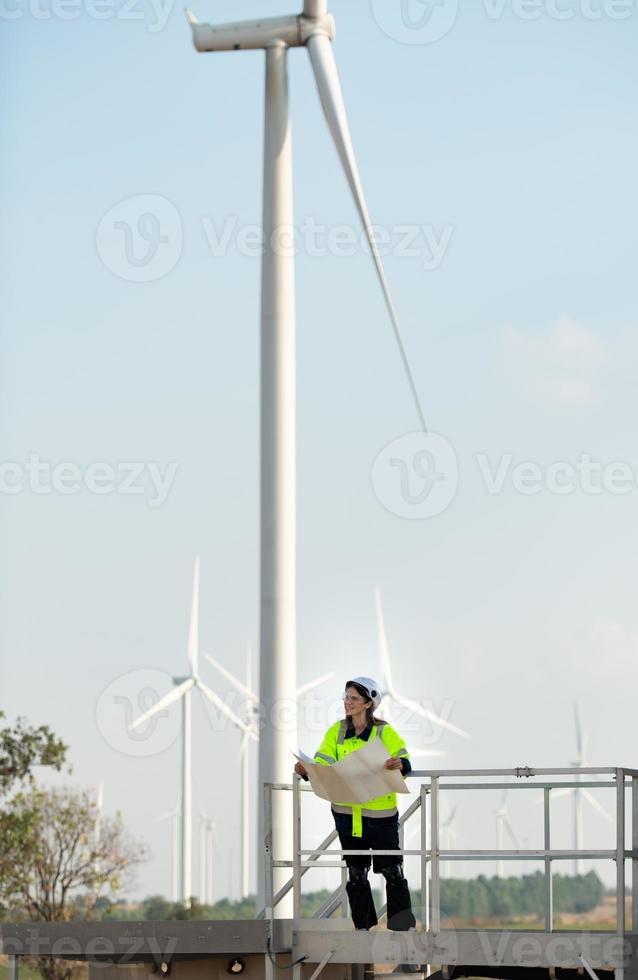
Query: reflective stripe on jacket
(335, 746)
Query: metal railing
(426, 806)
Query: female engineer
(375, 824)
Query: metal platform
(327, 946)
(323, 940)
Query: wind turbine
(251, 709)
(503, 824)
(174, 817)
(580, 793)
(206, 839)
(389, 691)
(182, 691)
(313, 29)
(450, 837)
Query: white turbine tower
(581, 793)
(389, 691)
(314, 29)
(174, 816)
(206, 843)
(449, 838)
(182, 691)
(251, 712)
(502, 825)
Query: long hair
(371, 718)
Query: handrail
(432, 855)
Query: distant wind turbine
(251, 711)
(174, 816)
(503, 824)
(581, 793)
(389, 691)
(182, 691)
(206, 841)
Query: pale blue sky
(517, 135)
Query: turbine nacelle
(293, 31)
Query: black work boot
(400, 917)
(364, 914)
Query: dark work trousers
(381, 833)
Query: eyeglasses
(349, 697)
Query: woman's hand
(392, 764)
(300, 769)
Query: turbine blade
(327, 79)
(190, 17)
(193, 630)
(512, 835)
(219, 704)
(312, 684)
(237, 684)
(557, 793)
(418, 709)
(164, 702)
(598, 806)
(384, 658)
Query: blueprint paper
(356, 778)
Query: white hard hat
(370, 686)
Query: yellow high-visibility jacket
(336, 745)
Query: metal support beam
(549, 890)
(323, 963)
(435, 897)
(620, 853)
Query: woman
(375, 825)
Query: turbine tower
(502, 825)
(581, 794)
(174, 816)
(314, 29)
(251, 712)
(182, 691)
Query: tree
(22, 748)
(54, 865)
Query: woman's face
(353, 701)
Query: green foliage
(55, 863)
(491, 898)
(23, 747)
